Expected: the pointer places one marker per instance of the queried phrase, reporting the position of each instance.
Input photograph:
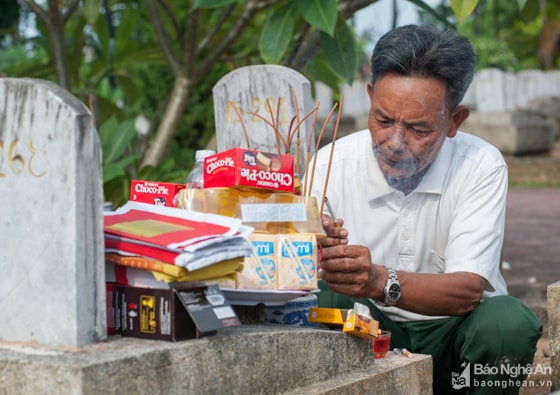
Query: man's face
(409, 122)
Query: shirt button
(404, 213)
(405, 236)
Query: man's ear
(369, 90)
(461, 113)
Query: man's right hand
(336, 234)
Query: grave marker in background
(248, 89)
(52, 282)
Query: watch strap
(392, 281)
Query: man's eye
(384, 122)
(421, 133)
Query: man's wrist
(380, 277)
(392, 289)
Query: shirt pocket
(438, 262)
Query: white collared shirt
(452, 222)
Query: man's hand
(347, 269)
(336, 234)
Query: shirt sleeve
(477, 230)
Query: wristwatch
(392, 289)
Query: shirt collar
(437, 173)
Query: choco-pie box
(243, 167)
(154, 192)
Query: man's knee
(501, 325)
(508, 314)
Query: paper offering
(274, 212)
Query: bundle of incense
(331, 154)
(308, 185)
(235, 109)
(294, 131)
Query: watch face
(394, 292)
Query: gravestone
(52, 286)
(356, 99)
(530, 84)
(552, 83)
(549, 106)
(519, 132)
(268, 91)
(489, 91)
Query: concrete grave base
(264, 359)
(515, 133)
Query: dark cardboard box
(167, 314)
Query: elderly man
(421, 210)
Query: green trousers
(488, 351)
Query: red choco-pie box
(152, 192)
(239, 167)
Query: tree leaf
(321, 14)
(340, 51)
(128, 22)
(432, 11)
(276, 34)
(530, 11)
(146, 53)
(115, 138)
(128, 87)
(318, 69)
(211, 3)
(91, 10)
(112, 171)
(463, 8)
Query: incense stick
(331, 154)
(304, 118)
(317, 146)
(296, 105)
(242, 124)
(278, 136)
(278, 117)
(308, 153)
(274, 125)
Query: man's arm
(347, 269)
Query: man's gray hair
(426, 51)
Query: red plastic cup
(381, 344)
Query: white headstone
(265, 90)
(324, 98)
(52, 282)
(530, 85)
(356, 99)
(470, 98)
(489, 90)
(552, 82)
(510, 91)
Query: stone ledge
(393, 375)
(248, 359)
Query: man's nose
(397, 138)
